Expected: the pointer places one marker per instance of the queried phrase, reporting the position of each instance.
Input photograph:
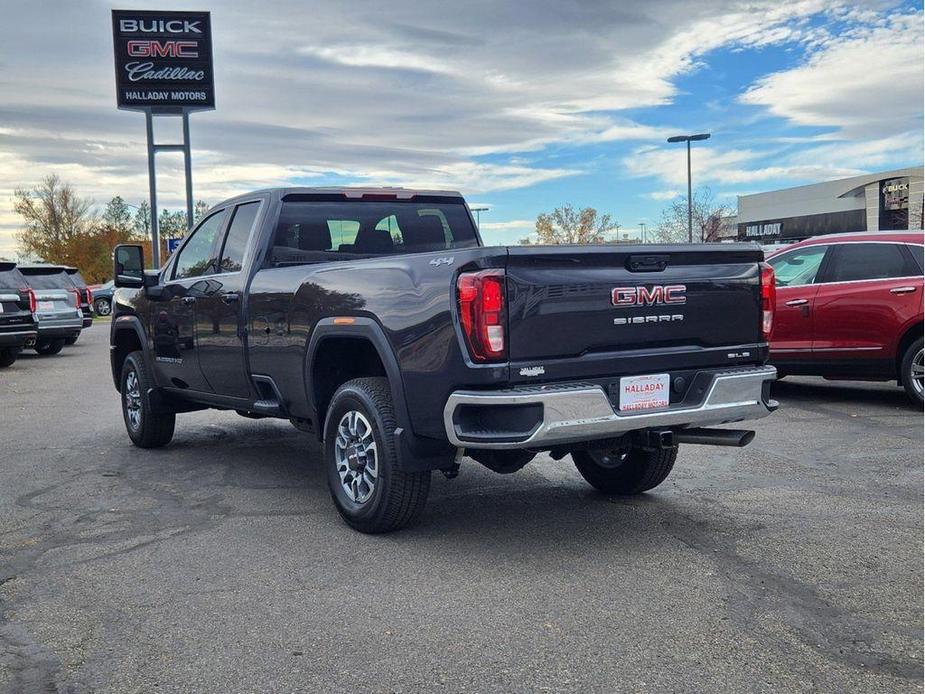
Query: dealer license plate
(46, 306)
(644, 392)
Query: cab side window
(798, 267)
(870, 261)
(198, 256)
(239, 232)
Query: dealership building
(889, 200)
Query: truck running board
(271, 402)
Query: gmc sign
(163, 60)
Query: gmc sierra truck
(378, 320)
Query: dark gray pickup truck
(377, 319)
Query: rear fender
(414, 453)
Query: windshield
(313, 231)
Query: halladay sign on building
(163, 60)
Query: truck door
(220, 334)
(174, 316)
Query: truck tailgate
(609, 309)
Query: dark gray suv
(17, 322)
(57, 306)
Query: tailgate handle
(646, 263)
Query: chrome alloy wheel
(132, 394)
(356, 456)
(918, 372)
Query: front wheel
(49, 347)
(625, 471)
(103, 307)
(146, 427)
(912, 371)
(8, 356)
(369, 490)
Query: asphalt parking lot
(219, 564)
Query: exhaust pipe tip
(737, 438)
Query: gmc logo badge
(656, 295)
(144, 48)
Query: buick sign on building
(163, 60)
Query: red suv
(850, 306)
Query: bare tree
(708, 219)
(55, 220)
(565, 225)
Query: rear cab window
(318, 228)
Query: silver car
(57, 306)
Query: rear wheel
(71, 340)
(369, 490)
(49, 347)
(146, 427)
(8, 356)
(625, 471)
(912, 371)
(103, 307)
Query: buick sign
(163, 60)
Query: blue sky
(521, 106)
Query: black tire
(633, 471)
(912, 364)
(49, 347)
(103, 307)
(152, 429)
(396, 498)
(8, 356)
(71, 340)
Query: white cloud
(866, 83)
(663, 194)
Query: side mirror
(128, 266)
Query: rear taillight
(77, 294)
(481, 313)
(89, 296)
(768, 299)
(30, 297)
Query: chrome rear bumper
(568, 413)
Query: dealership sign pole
(164, 68)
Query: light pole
(478, 216)
(690, 215)
(642, 231)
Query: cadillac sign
(163, 60)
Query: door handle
(797, 302)
(230, 297)
(903, 290)
(189, 300)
